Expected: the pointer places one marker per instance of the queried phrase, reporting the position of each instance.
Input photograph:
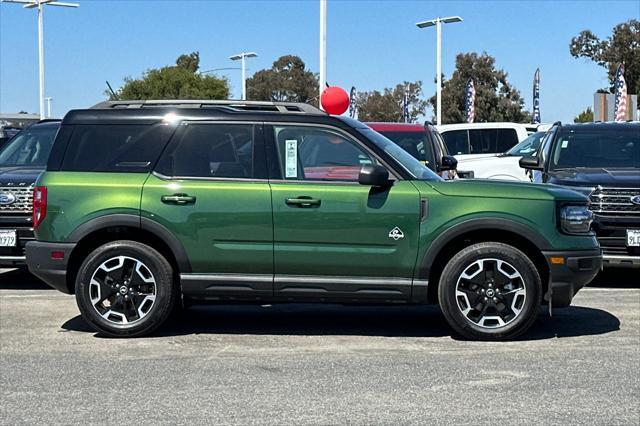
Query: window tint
(415, 143)
(115, 148)
(483, 141)
(457, 141)
(507, 139)
(606, 148)
(30, 148)
(210, 150)
(318, 154)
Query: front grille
(22, 202)
(608, 201)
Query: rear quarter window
(115, 148)
(457, 141)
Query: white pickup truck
(491, 150)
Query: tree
(623, 46)
(180, 81)
(585, 116)
(496, 99)
(288, 80)
(388, 104)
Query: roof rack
(259, 106)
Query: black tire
(478, 261)
(155, 267)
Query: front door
(335, 238)
(207, 190)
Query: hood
(19, 176)
(483, 159)
(468, 157)
(596, 176)
(487, 188)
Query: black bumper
(51, 271)
(577, 270)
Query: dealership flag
(470, 101)
(405, 105)
(621, 95)
(536, 97)
(353, 107)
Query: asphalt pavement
(319, 364)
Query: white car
(475, 140)
(503, 166)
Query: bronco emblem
(396, 233)
(636, 200)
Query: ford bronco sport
(147, 205)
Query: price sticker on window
(291, 158)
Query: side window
(507, 139)
(440, 142)
(210, 151)
(483, 141)
(310, 153)
(115, 148)
(457, 141)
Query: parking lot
(319, 364)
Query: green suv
(149, 206)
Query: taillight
(39, 205)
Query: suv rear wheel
(125, 288)
(490, 291)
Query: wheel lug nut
(495, 299)
(485, 299)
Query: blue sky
(370, 45)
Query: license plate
(633, 237)
(8, 238)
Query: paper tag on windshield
(291, 158)
(565, 144)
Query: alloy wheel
(122, 290)
(490, 293)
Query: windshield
(30, 147)
(415, 143)
(527, 147)
(596, 148)
(415, 168)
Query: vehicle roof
(599, 125)
(46, 123)
(498, 125)
(395, 127)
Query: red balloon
(334, 100)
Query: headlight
(575, 219)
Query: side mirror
(531, 163)
(449, 162)
(373, 175)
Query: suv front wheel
(125, 288)
(490, 291)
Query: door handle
(302, 202)
(179, 199)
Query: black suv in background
(601, 160)
(22, 159)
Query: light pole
(438, 23)
(242, 56)
(323, 48)
(48, 99)
(30, 4)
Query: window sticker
(291, 158)
(565, 143)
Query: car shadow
(616, 278)
(380, 321)
(21, 279)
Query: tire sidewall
(162, 273)
(460, 262)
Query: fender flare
(135, 221)
(475, 225)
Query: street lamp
(438, 24)
(242, 56)
(30, 4)
(323, 48)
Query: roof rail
(260, 106)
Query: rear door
(210, 190)
(335, 238)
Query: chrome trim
(306, 279)
(18, 258)
(621, 260)
(228, 277)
